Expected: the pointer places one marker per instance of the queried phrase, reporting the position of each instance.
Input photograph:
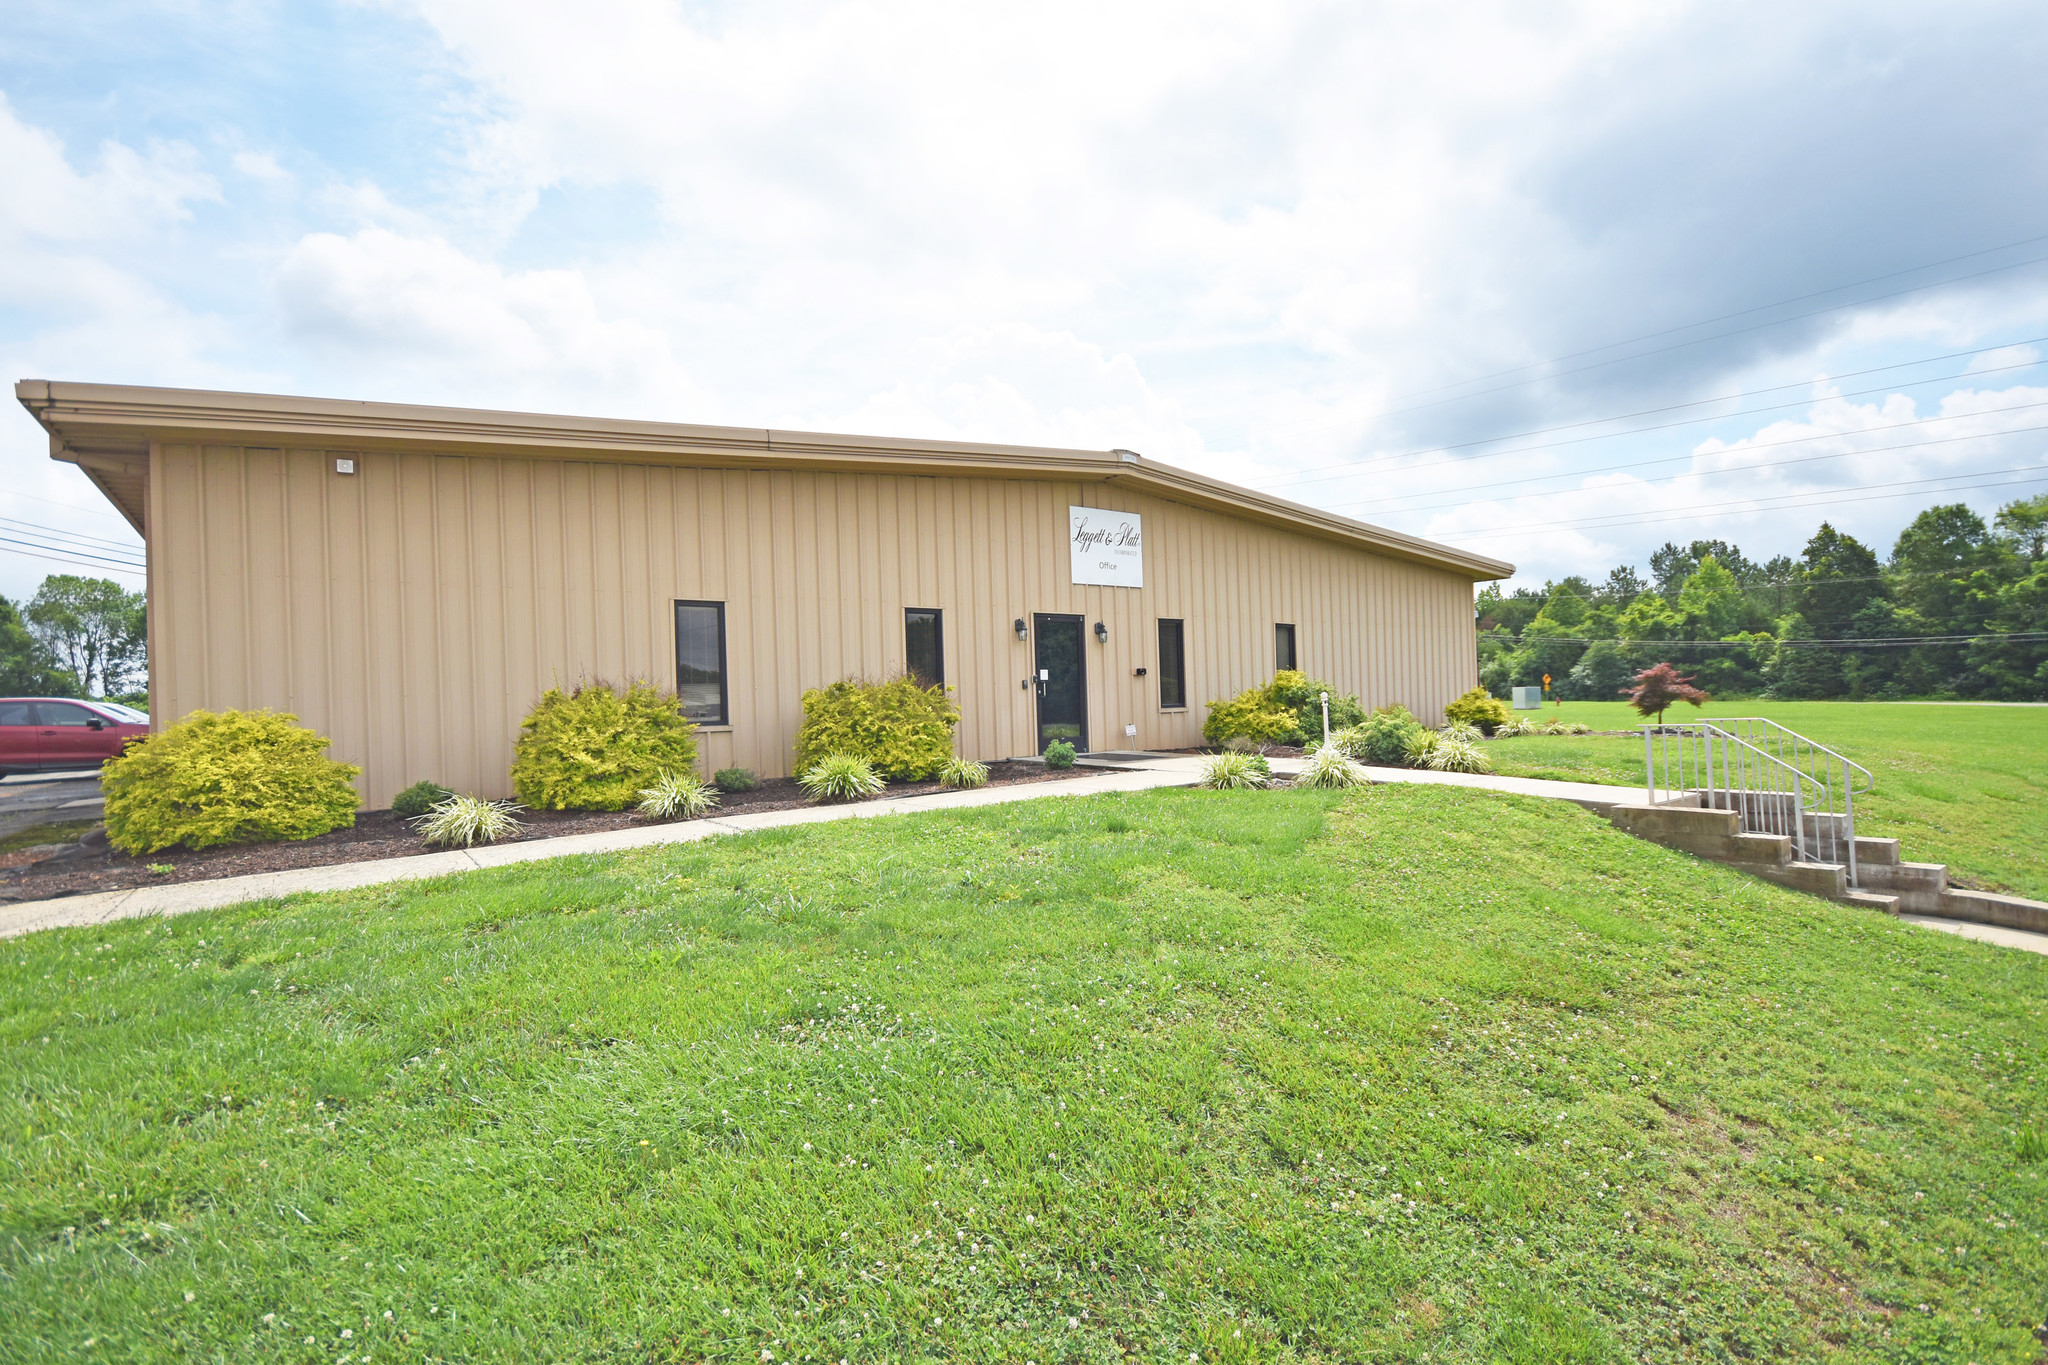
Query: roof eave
(104, 422)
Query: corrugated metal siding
(414, 610)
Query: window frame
(724, 719)
(938, 615)
(1180, 660)
(1293, 646)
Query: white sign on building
(1108, 547)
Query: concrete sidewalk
(1142, 773)
(1153, 770)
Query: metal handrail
(1776, 780)
(1771, 728)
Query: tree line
(77, 637)
(1959, 609)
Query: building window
(1173, 673)
(700, 662)
(1283, 646)
(924, 646)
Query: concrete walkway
(1142, 773)
(1153, 770)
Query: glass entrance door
(1062, 681)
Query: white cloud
(381, 299)
(261, 166)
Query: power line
(1813, 500)
(1837, 642)
(31, 527)
(1348, 467)
(1708, 322)
(1688, 474)
(78, 507)
(77, 564)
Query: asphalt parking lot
(44, 798)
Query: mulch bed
(93, 865)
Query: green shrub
(840, 777)
(1381, 739)
(1059, 754)
(677, 796)
(964, 772)
(228, 777)
(735, 779)
(595, 748)
(903, 730)
(1479, 709)
(1287, 709)
(1230, 771)
(465, 821)
(1292, 690)
(419, 798)
(1330, 766)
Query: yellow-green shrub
(1479, 709)
(228, 777)
(1288, 709)
(1250, 714)
(594, 748)
(903, 730)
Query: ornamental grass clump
(963, 772)
(597, 748)
(841, 777)
(226, 777)
(466, 821)
(1453, 749)
(677, 796)
(1231, 771)
(1331, 767)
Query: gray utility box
(1528, 699)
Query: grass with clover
(1243, 1076)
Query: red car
(56, 734)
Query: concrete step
(1819, 879)
(1919, 886)
(1872, 851)
(1705, 833)
(1760, 850)
(1872, 900)
(1987, 907)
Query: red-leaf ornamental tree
(1657, 688)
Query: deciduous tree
(95, 628)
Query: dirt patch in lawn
(94, 865)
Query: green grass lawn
(1962, 785)
(1405, 1074)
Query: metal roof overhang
(108, 429)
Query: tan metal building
(409, 579)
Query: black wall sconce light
(1138, 672)
(1101, 633)
(1018, 624)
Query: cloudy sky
(1554, 281)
